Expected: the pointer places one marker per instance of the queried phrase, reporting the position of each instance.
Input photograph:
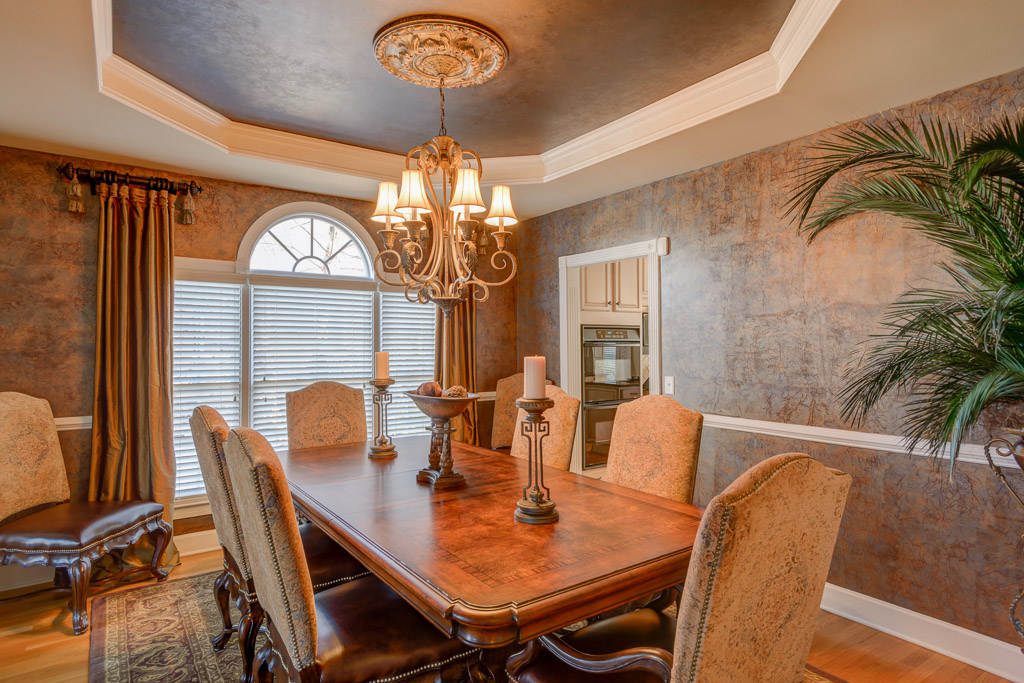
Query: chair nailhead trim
(147, 520)
(342, 579)
(229, 500)
(273, 549)
(716, 563)
(511, 678)
(425, 667)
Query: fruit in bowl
(429, 389)
(457, 391)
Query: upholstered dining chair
(503, 425)
(749, 603)
(654, 447)
(356, 632)
(329, 564)
(325, 414)
(561, 433)
(41, 526)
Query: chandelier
(438, 264)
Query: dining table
(460, 558)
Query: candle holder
(439, 472)
(536, 506)
(382, 446)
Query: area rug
(161, 633)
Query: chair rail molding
(570, 306)
(969, 453)
(70, 424)
(757, 78)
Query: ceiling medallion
(441, 180)
(427, 49)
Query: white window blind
(302, 335)
(407, 332)
(207, 349)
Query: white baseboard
(197, 542)
(13, 577)
(983, 652)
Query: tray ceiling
(307, 66)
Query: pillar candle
(534, 372)
(380, 365)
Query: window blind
(207, 347)
(407, 332)
(302, 335)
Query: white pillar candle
(380, 365)
(534, 373)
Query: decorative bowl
(440, 407)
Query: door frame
(569, 306)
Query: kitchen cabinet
(620, 286)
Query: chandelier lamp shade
(432, 240)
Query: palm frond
(952, 352)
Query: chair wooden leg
(161, 537)
(248, 630)
(78, 575)
(263, 672)
(222, 594)
(527, 655)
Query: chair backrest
(325, 414)
(757, 573)
(272, 542)
(561, 433)
(209, 432)
(503, 425)
(654, 447)
(32, 470)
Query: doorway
(597, 288)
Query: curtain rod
(69, 171)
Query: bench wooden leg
(78, 575)
(161, 537)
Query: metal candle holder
(382, 446)
(536, 506)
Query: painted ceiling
(307, 66)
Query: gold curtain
(455, 362)
(132, 448)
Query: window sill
(191, 506)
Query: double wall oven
(614, 372)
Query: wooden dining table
(460, 558)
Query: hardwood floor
(36, 643)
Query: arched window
(299, 305)
(310, 244)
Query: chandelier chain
(442, 130)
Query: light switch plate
(670, 384)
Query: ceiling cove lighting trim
(888, 443)
(744, 84)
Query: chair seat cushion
(366, 632)
(76, 527)
(642, 628)
(329, 564)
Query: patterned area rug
(161, 633)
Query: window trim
(238, 272)
(317, 210)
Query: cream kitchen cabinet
(619, 286)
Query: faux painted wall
(760, 325)
(48, 280)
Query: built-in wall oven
(612, 375)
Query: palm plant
(955, 350)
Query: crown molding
(744, 84)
